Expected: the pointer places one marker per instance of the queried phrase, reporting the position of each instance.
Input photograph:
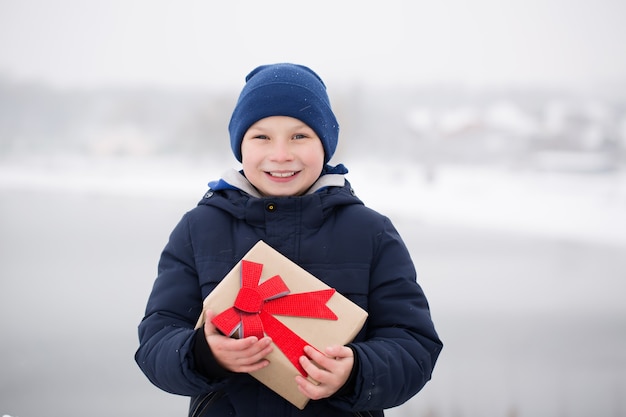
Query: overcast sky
(202, 43)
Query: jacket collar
(234, 194)
(235, 180)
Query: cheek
(315, 157)
(249, 167)
(249, 155)
(248, 164)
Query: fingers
(209, 327)
(237, 355)
(330, 371)
(244, 355)
(339, 352)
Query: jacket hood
(236, 195)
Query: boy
(284, 133)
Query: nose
(281, 151)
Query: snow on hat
(284, 90)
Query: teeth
(282, 174)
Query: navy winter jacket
(329, 233)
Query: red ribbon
(255, 304)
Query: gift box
(266, 293)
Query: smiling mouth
(282, 174)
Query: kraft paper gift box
(266, 293)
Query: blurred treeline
(529, 128)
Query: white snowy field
(525, 273)
(581, 207)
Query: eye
(265, 137)
(300, 136)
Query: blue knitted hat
(284, 90)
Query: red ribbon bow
(255, 304)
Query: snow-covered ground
(546, 204)
(583, 207)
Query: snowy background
(501, 124)
(524, 272)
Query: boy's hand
(237, 355)
(336, 364)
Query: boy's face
(281, 156)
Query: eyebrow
(294, 127)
